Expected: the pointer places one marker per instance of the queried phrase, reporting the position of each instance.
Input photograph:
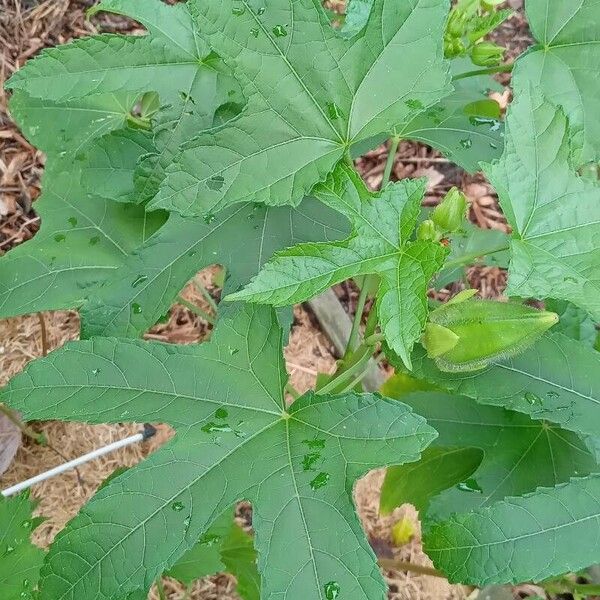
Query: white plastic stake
(148, 432)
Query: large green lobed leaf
(235, 440)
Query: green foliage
(224, 547)
(380, 244)
(235, 440)
(542, 534)
(551, 209)
(20, 560)
(224, 136)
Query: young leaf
(564, 66)
(557, 380)
(380, 243)
(519, 455)
(541, 535)
(20, 560)
(241, 238)
(82, 240)
(553, 211)
(236, 440)
(300, 118)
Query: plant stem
(196, 310)
(489, 71)
(359, 361)
(387, 172)
(44, 334)
(160, 589)
(467, 259)
(360, 309)
(400, 565)
(211, 301)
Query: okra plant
(226, 135)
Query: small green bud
(490, 4)
(456, 24)
(449, 214)
(487, 54)
(453, 47)
(428, 232)
(467, 334)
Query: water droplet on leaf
(209, 218)
(255, 31)
(334, 110)
(332, 590)
(321, 480)
(177, 506)
(414, 104)
(221, 413)
(136, 309)
(279, 31)
(466, 143)
(309, 460)
(261, 10)
(470, 485)
(139, 280)
(216, 183)
(493, 124)
(216, 427)
(532, 399)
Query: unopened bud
(487, 54)
(450, 213)
(467, 334)
(428, 232)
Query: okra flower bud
(449, 215)
(466, 334)
(428, 232)
(487, 54)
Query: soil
(27, 26)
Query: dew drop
(321, 480)
(60, 237)
(414, 104)
(494, 124)
(279, 31)
(72, 221)
(216, 427)
(221, 413)
(309, 460)
(314, 443)
(470, 485)
(216, 183)
(334, 110)
(466, 143)
(532, 399)
(332, 590)
(136, 309)
(209, 218)
(177, 506)
(139, 280)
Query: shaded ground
(26, 26)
